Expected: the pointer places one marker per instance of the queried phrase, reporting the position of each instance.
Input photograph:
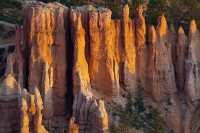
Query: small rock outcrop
(73, 128)
(9, 111)
(90, 113)
(31, 105)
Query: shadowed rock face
(108, 56)
(89, 113)
(10, 116)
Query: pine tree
(157, 124)
(115, 7)
(133, 5)
(155, 9)
(176, 13)
(190, 12)
(134, 115)
(139, 99)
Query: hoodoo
(109, 58)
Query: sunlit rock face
(111, 49)
(81, 79)
(108, 58)
(45, 45)
(20, 110)
(127, 50)
(140, 31)
(31, 105)
(10, 88)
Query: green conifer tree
(155, 9)
(157, 124)
(133, 5)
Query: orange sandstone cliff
(75, 60)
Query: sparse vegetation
(11, 11)
(2, 50)
(177, 12)
(135, 115)
(2, 71)
(56, 129)
(133, 5)
(11, 49)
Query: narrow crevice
(70, 60)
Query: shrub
(2, 71)
(11, 49)
(2, 50)
(135, 115)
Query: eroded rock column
(140, 31)
(192, 84)
(128, 51)
(181, 56)
(81, 79)
(103, 67)
(160, 67)
(46, 41)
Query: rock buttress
(160, 64)
(128, 51)
(90, 113)
(81, 79)
(46, 42)
(192, 84)
(140, 32)
(102, 66)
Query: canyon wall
(109, 56)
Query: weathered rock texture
(45, 41)
(9, 115)
(15, 61)
(108, 58)
(81, 79)
(19, 110)
(160, 71)
(90, 113)
(10, 89)
(181, 55)
(140, 31)
(31, 106)
(192, 84)
(126, 50)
